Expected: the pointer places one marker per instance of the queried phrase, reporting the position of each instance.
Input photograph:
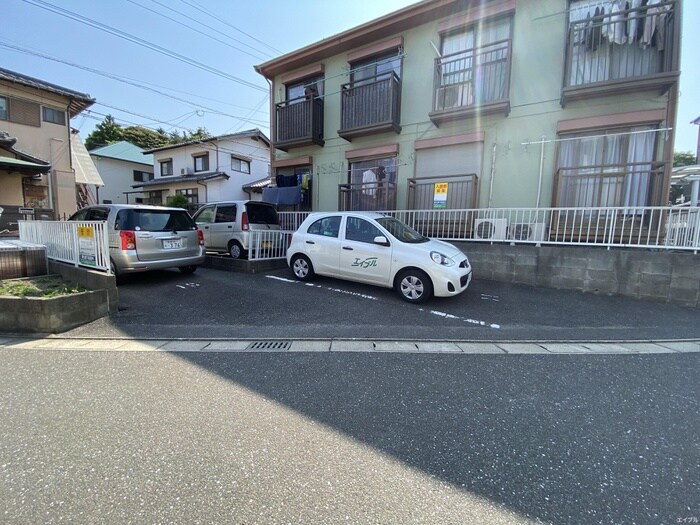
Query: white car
(375, 249)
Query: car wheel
(235, 250)
(302, 268)
(188, 269)
(414, 286)
(117, 277)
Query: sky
(184, 64)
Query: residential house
(483, 104)
(121, 165)
(36, 115)
(208, 170)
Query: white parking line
(372, 298)
(465, 319)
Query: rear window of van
(154, 220)
(261, 213)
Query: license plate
(267, 244)
(172, 244)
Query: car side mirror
(380, 239)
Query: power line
(191, 28)
(188, 17)
(139, 41)
(204, 10)
(126, 81)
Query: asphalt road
(220, 304)
(265, 438)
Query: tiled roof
(174, 179)
(254, 133)
(78, 101)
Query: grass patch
(44, 286)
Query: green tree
(145, 138)
(683, 158)
(178, 201)
(105, 133)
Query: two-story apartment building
(36, 115)
(484, 103)
(208, 170)
(121, 165)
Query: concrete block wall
(643, 274)
(90, 279)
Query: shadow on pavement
(564, 439)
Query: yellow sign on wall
(87, 245)
(440, 196)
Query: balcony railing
(369, 196)
(471, 81)
(633, 184)
(618, 52)
(299, 123)
(371, 105)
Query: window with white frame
(241, 165)
(142, 176)
(3, 108)
(201, 162)
(55, 116)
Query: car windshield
(401, 231)
(154, 220)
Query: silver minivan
(143, 238)
(227, 226)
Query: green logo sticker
(369, 261)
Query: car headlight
(439, 258)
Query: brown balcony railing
(472, 80)
(622, 51)
(633, 184)
(299, 123)
(371, 105)
(369, 196)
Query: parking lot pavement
(330, 345)
(215, 304)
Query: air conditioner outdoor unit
(492, 229)
(524, 231)
(453, 96)
(186, 171)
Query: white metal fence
(271, 244)
(662, 227)
(83, 243)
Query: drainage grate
(269, 345)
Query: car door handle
(310, 242)
(229, 227)
(347, 248)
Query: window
(328, 227)
(166, 168)
(476, 60)
(190, 194)
(308, 88)
(3, 108)
(142, 176)
(226, 213)
(360, 230)
(240, 165)
(201, 162)
(376, 68)
(373, 185)
(206, 215)
(607, 168)
(55, 116)
(23, 112)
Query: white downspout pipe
(493, 173)
(539, 181)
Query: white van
(227, 225)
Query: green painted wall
(539, 33)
